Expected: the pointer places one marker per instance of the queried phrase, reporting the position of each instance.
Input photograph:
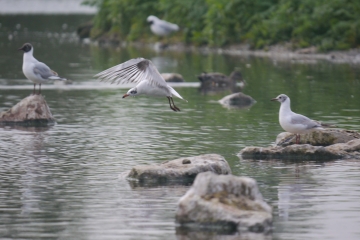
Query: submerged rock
(224, 202)
(183, 170)
(172, 77)
(31, 111)
(237, 100)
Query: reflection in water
(188, 234)
(27, 129)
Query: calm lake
(63, 182)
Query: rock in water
(182, 170)
(318, 145)
(237, 100)
(231, 203)
(350, 149)
(325, 137)
(172, 77)
(31, 111)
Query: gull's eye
(133, 92)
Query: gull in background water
(36, 71)
(141, 71)
(160, 27)
(293, 122)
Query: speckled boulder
(232, 203)
(349, 149)
(31, 111)
(180, 170)
(318, 138)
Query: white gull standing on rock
(160, 27)
(36, 71)
(293, 122)
(141, 71)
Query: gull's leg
(34, 89)
(172, 100)
(297, 138)
(171, 105)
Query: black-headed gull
(160, 27)
(293, 122)
(141, 71)
(36, 71)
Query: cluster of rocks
(217, 200)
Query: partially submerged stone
(172, 77)
(31, 111)
(318, 138)
(350, 149)
(225, 202)
(318, 145)
(237, 100)
(183, 170)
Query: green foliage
(327, 24)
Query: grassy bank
(326, 24)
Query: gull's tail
(56, 76)
(326, 125)
(176, 94)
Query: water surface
(62, 182)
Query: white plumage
(141, 71)
(293, 122)
(160, 27)
(36, 71)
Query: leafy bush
(328, 24)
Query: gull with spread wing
(36, 71)
(141, 71)
(293, 122)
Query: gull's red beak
(126, 95)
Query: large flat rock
(346, 150)
(226, 202)
(318, 145)
(325, 137)
(31, 111)
(180, 170)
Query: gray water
(64, 181)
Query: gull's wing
(133, 71)
(43, 70)
(301, 119)
(167, 26)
